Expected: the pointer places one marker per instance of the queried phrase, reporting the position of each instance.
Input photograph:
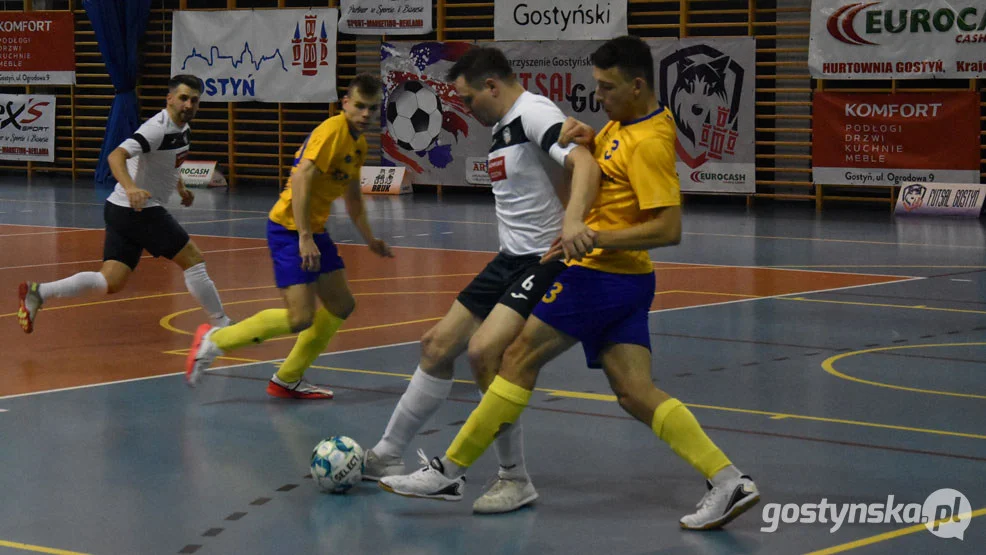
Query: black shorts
(517, 282)
(129, 232)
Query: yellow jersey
(339, 155)
(637, 159)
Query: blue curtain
(119, 26)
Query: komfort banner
(429, 130)
(262, 55)
(887, 139)
(37, 48)
(898, 39)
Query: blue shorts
(283, 244)
(599, 308)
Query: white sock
(82, 283)
(424, 395)
(726, 474)
(201, 287)
(510, 452)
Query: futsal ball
(414, 115)
(337, 464)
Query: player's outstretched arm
(662, 229)
(357, 213)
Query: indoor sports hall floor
(839, 356)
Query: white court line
(963, 280)
(784, 295)
(782, 269)
(146, 256)
(53, 232)
(241, 365)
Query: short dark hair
(479, 63)
(366, 83)
(186, 79)
(630, 55)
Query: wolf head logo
(702, 86)
(913, 196)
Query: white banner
(709, 86)
(941, 199)
(263, 55)
(445, 145)
(393, 17)
(27, 127)
(898, 39)
(554, 20)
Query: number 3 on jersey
(552, 294)
(612, 149)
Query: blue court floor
(846, 396)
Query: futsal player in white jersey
(146, 169)
(526, 169)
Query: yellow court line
(165, 320)
(882, 305)
(888, 535)
(612, 399)
(38, 548)
(829, 366)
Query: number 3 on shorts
(551, 295)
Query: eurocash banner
(427, 128)
(709, 86)
(898, 39)
(553, 20)
(263, 55)
(27, 127)
(393, 17)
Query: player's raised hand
(137, 198)
(379, 248)
(575, 131)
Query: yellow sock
(309, 345)
(676, 425)
(255, 329)
(501, 405)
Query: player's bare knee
(114, 282)
(434, 347)
(344, 306)
(300, 320)
(484, 361)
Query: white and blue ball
(337, 464)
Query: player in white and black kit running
(526, 169)
(146, 168)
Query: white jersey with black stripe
(524, 163)
(157, 149)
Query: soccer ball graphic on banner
(414, 115)
(337, 464)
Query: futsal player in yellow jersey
(602, 300)
(306, 263)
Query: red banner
(37, 48)
(887, 139)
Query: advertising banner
(888, 139)
(258, 55)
